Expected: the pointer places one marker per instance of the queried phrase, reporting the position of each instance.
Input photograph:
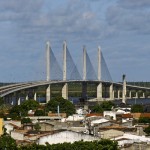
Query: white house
(65, 136)
(130, 138)
(10, 127)
(75, 117)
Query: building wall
(9, 128)
(110, 113)
(17, 123)
(17, 135)
(110, 134)
(65, 136)
(1, 126)
(46, 127)
(56, 114)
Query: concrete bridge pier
(124, 92)
(65, 91)
(143, 95)
(19, 101)
(130, 94)
(35, 96)
(65, 86)
(136, 94)
(111, 92)
(99, 91)
(12, 102)
(27, 97)
(118, 94)
(48, 93)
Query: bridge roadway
(6, 90)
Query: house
(45, 126)
(101, 122)
(110, 133)
(94, 114)
(10, 127)
(18, 134)
(65, 136)
(131, 139)
(75, 117)
(113, 114)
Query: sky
(120, 27)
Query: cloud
(127, 16)
(121, 27)
(135, 4)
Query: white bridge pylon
(69, 70)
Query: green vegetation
(143, 84)
(144, 120)
(37, 127)
(137, 108)
(6, 142)
(4, 108)
(147, 130)
(104, 106)
(30, 105)
(25, 120)
(107, 105)
(18, 111)
(97, 109)
(65, 106)
(39, 113)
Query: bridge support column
(124, 92)
(143, 94)
(65, 91)
(27, 97)
(19, 101)
(99, 91)
(130, 94)
(48, 94)
(111, 93)
(12, 101)
(136, 94)
(118, 94)
(35, 96)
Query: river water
(76, 100)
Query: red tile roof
(94, 114)
(127, 116)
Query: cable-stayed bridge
(68, 73)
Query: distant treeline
(144, 84)
(3, 84)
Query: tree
(39, 113)
(4, 108)
(144, 120)
(97, 109)
(103, 144)
(65, 106)
(17, 112)
(137, 108)
(30, 105)
(1, 101)
(6, 142)
(147, 130)
(107, 105)
(25, 120)
(37, 127)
